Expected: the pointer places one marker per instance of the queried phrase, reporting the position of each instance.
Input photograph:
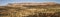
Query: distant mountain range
(32, 4)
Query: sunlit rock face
(31, 4)
(30, 9)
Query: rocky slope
(29, 10)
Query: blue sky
(4, 2)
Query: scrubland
(31, 11)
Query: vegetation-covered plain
(30, 11)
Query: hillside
(30, 10)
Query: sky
(5, 2)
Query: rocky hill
(30, 9)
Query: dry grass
(30, 11)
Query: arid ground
(30, 10)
